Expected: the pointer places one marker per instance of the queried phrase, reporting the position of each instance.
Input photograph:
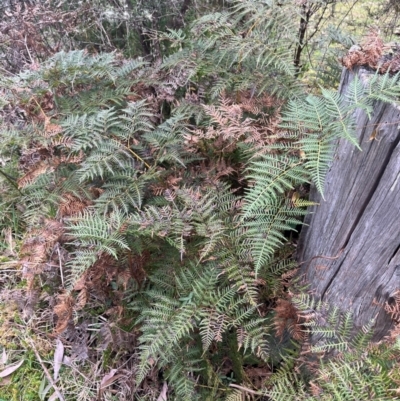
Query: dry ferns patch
(375, 54)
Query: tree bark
(350, 252)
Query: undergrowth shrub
(150, 206)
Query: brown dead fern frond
(392, 65)
(71, 205)
(97, 278)
(287, 277)
(81, 299)
(51, 130)
(33, 31)
(393, 309)
(252, 120)
(73, 159)
(369, 53)
(353, 58)
(169, 183)
(315, 389)
(372, 46)
(287, 318)
(37, 161)
(33, 174)
(33, 156)
(110, 335)
(63, 311)
(36, 248)
(137, 264)
(62, 141)
(394, 334)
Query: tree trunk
(350, 252)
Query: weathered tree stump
(350, 252)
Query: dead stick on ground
(46, 372)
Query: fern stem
(245, 389)
(138, 157)
(11, 180)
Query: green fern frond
(82, 260)
(342, 125)
(104, 234)
(384, 88)
(212, 327)
(357, 96)
(364, 336)
(108, 159)
(287, 387)
(265, 229)
(345, 325)
(235, 395)
(318, 155)
(253, 336)
(166, 141)
(94, 235)
(273, 175)
(129, 67)
(122, 192)
(137, 117)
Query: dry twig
(46, 372)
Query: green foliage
(159, 209)
(349, 366)
(245, 48)
(318, 121)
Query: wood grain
(359, 220)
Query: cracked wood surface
(358, 225)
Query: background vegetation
(155, 161)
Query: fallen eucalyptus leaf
(163, 394)
(5, 381)
(58, 357)
(67, 360)
(4, 357)
(10, 369)
(109, 378)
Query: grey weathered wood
(359, 222)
